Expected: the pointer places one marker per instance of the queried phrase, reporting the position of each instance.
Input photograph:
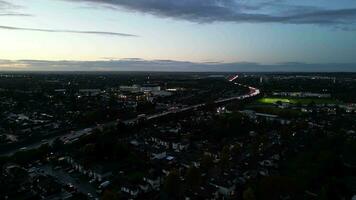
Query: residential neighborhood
(246, 144)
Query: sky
(172, 35)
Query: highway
(75, 135)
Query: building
(150, 88)
(132, 88)
(89, 92)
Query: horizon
(211, 35)
(140, 65)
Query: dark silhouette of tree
(275, 187)
(193, 178)
(206, 163)
(172, 185)
(249, 194)
(110, 195)
(225, 158)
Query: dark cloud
(8, 9)
(136, 64)
(258, 11)
(67, 31)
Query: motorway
(75, 135)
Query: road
(75, 135)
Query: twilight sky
(178, 35)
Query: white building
(150, 88)
(132, 88)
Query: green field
(273, 100)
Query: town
(140, 135)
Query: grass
(273, 100)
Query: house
(144, 187)
(158, 155)
(98, 174)
(153, 182)
(178, 146)
(225, 188)
(154, 179)
(130, 190)
(159, 142)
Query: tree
(206, 163)
(225, 157)
(172, 185)
(249, 194)
(79, 196)
(57, 145)
(236, 150)
(193, 178)
(274, 187)
(312, 105)
(110, 195)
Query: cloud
(16, 14)
(12, 65)
(257, 11)
(344, 28)
(136, 64)
(7, 9)
(68, 31)
(7, 5)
